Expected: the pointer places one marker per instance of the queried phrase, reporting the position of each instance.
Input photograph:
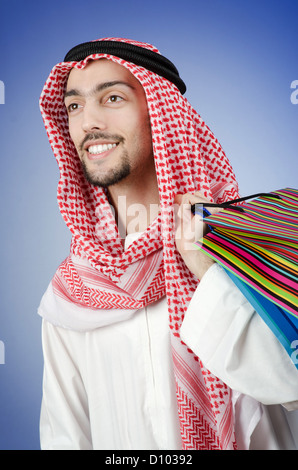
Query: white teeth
(96, 149)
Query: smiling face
(109, 123)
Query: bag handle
(234, 201)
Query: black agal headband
(138, 55)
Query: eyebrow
(96, 89)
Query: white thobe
(113, 387)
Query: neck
(136, 204)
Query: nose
(93, 118)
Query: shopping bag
(257, 245)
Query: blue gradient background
(238, 59)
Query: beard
(114, 176)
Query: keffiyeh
(101, 283)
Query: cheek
(73, 132)
(145, 131)
(143, 141)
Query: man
(123, 313)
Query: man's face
(109, 123)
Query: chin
(109, 178)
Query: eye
(72, 107)
(114, 99)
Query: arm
(235, 344)
(64, 422)
(231, 339)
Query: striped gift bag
(257, 244)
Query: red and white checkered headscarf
(100, 283)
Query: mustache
(101, 136)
